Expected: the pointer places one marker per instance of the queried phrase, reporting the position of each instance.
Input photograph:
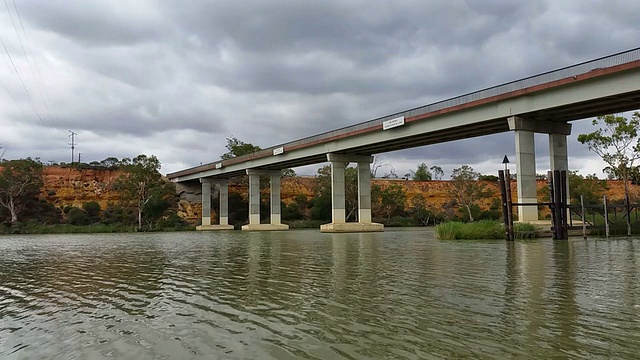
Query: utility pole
(73, 144)
(79, 157)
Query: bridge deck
(582, 74)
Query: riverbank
(35, 228)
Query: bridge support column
(223, 196)
(559, 159)
(254, 202)
(526, 157)
(338, 213)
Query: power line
(14, 100)
(73, 144)
(21, 81)
(38, 79)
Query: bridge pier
(338, 213)
(524, 130)
(223, 197)
(254, 202)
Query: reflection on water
(302, 294)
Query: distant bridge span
(543, 103)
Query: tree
(422, 173)
(20, 180)
(238, 148)
(141, 182)
(617, 144)
(420, 210)
(392, 199)
(436, 172)
(466, 189)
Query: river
(302, 294)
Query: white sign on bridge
(390, 124)
(278, 151)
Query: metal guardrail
(573, 70)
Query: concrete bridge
(544, 103)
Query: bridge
(544, 103)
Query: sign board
(390, 124)
(278, 151)
(219, 166)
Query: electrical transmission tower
(73, 144)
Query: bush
(485, 229)
(77, 216)
(92, 210)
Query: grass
(484, 229)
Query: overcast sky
(175, 78)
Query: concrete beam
(264, 172)
(539, 126)
(347, 158)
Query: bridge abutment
(338, 213)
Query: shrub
(77, 216)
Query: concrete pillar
(254, 199)
(558, 152)
(364, 192)
(338, 213)
(526, 175)
(526, 157)
(275, 199)
(224, 201)
(559, 160)
(206, 201)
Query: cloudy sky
(176, 78)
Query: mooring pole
(557, 197)
(606, 217)
(628, 207)
(503, 196)
(584, 221)
(565, 201)
(507, 183)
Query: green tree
(20, 181)
(392, 200)
(422, 173)
(92, 210)
(237, 148)
(140, 183)
(420, 210)
(617, 144)
(323, 189)
(466, 189)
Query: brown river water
(400, 294)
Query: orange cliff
(74, 187)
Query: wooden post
(563, 204)
(505, 204)
(606, 217)
(507, 184)
(552, 201)
(584, 221)
(626, 204)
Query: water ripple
(302, 294)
